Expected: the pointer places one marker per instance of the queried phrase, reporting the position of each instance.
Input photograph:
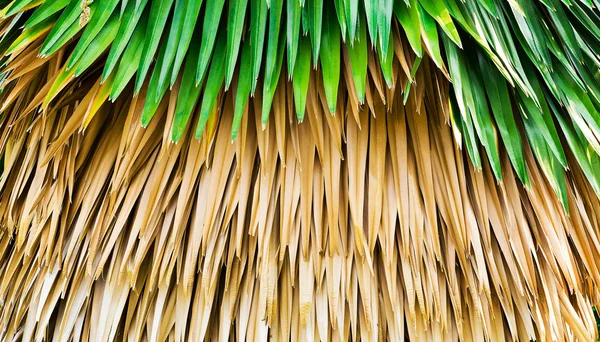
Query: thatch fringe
(367, 224)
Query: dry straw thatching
(366, 199)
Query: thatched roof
(367, 197)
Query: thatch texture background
(307, 170)
(367, 224)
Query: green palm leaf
(525, 51)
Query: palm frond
(534, 55)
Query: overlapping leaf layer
(304, 169)
(533, 62)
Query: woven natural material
(394, 187)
